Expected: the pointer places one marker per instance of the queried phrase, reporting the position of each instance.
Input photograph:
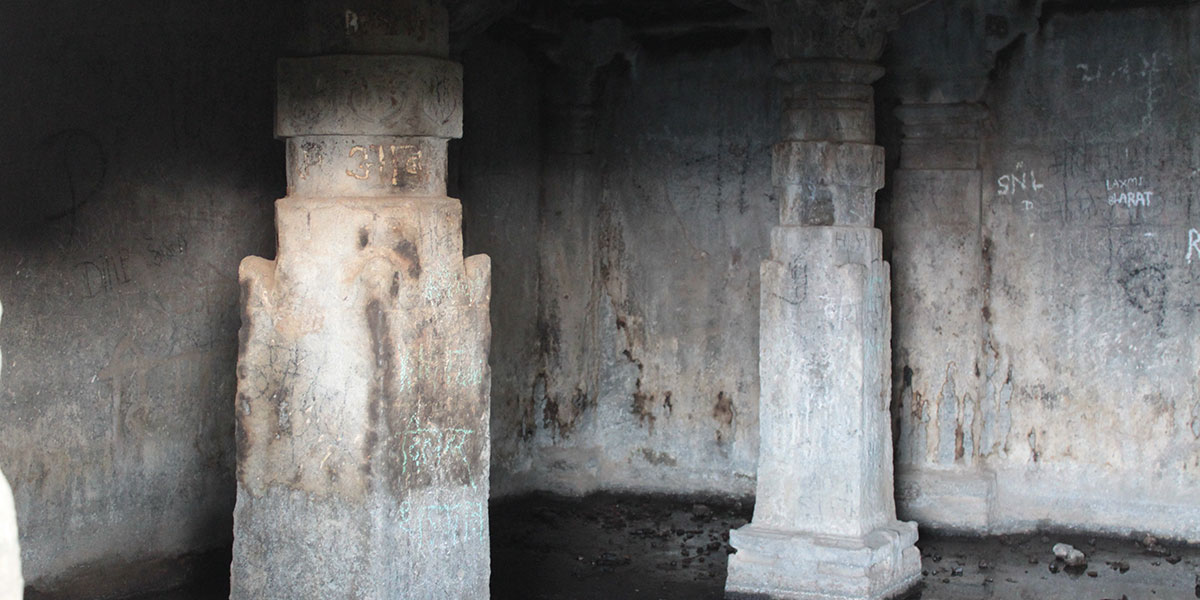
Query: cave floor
(608, 547)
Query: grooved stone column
(938, 251)
(363, 381)
(11, 585)
(824, 518)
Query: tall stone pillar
(938, 257)
(824, 521)
(949, 405)
(363, 381)
(11, 585)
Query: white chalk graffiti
(1127, 192)
(1020, 180)
(455, 523)
(1193, 244)
(434, 449)
(456, 367)
(1027, 181)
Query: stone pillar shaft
(938, 249)
(824, 519)
(363, 381)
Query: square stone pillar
(939, 366)
(824, 523)
(363, 380)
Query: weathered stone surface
(392, 27)
(938, 335)
(130, 195)
(824, 515)
(363, 380)
(814, 475)
(828, 183)
(369, 95)
(362, 405)
(804, 566)
(363, 166)
(852, 29)
(643, 307)
(1046, 365)
(11, 584)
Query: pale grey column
(948, 383)
(11, 584)
(363, 380)
(938, 255)
(824, 521)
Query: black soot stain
(408, 251)
(383, 371)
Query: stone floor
(622, 547)
(607, 547)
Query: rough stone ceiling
(469, 16)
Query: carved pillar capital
(373, 120)
(827, 167)
(943, 51)
(848, 29)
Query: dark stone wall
(138, 168)
(625, 303)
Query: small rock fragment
(1070, 555)
(956, 572)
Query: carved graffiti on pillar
(395, 163)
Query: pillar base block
(788, 565)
